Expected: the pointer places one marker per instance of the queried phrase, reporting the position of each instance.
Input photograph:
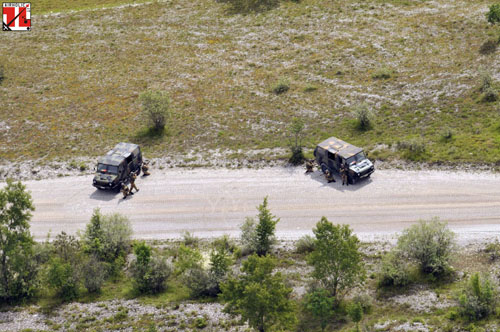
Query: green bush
(304, 245)
(187, 258)
(493, 15)
(281, 87)
(382, 73)
(107, 236)
(296, 129)
(149, 273)
(363, 116)
(248, 237)
(431, 244)
(155, 108)
(486, 81)
(320, 305)
(394, 271)
(63, 278)
(94, 274)
(249, 6)
(479, 298)
(190, 240)
(201, 283)
(493, 249)
(488, 47)
(413, 148)
(18, 268)
(489, 96)
(446, 134)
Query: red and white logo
(16, 16)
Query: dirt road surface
(212, 202)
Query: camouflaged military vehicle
(115, 168)
(333, 152)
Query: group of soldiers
(328, 175)
(126, 191)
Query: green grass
(71, 85)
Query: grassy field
(71, 85)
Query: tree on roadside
(336, 260)
(18, 270)
(260, 296)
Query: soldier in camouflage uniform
(132, 183)
(343, 174)
(309, 166)
(329, 177)
(125, 191)
(145, 168)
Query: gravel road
(211, 202)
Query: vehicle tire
(138, 171)
(324, 167)
(353, 180)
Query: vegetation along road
(210, 202)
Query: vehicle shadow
(318, 176)
(104, 195)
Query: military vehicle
(115, 168)
(333, 152)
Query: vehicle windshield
(108, 169)
(356, 158)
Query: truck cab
(333, 152)
(116, 167)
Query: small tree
(430, 243)
(265, 229)
(319, 304)
(493, 15)
(355, 312)
(94, 274)
(296, 129)
(248, 236)
(363, 115)
(336, 259)
(479, 298)
(155, 107)
(260, 296)
(17, 269)
(149, 272)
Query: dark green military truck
(115, 168)
(333, 152)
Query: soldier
(132, 183)
(329, 177)
(145, 168)
(309, 166)
(125, 191)
(343, 174)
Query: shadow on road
(318, 176)
(102, 195)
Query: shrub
(18, 269)
(248, 6)
(478, 298)
(488, 47)
(107, 236)
(190, 240)
(493, 249)
(281, 87)
(336, 260)
(63, 278)
(493, 15)
(382, 73)
(304, 245)
(446, 134)
(485, 82)
(248, 236)
(355, 312)
(187, 258)
(394, 271)
(201, 283)
(431, 244)
(155, 108)
(94, 274)
(489, 96)
(319, 303)
(363, 116)
(413, 148)
(149, 272)
(296, 129)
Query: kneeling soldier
(329, 176)
(309, 166)
(145, 169)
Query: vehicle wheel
(324, 167)
(138, 171)
(353, 180)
